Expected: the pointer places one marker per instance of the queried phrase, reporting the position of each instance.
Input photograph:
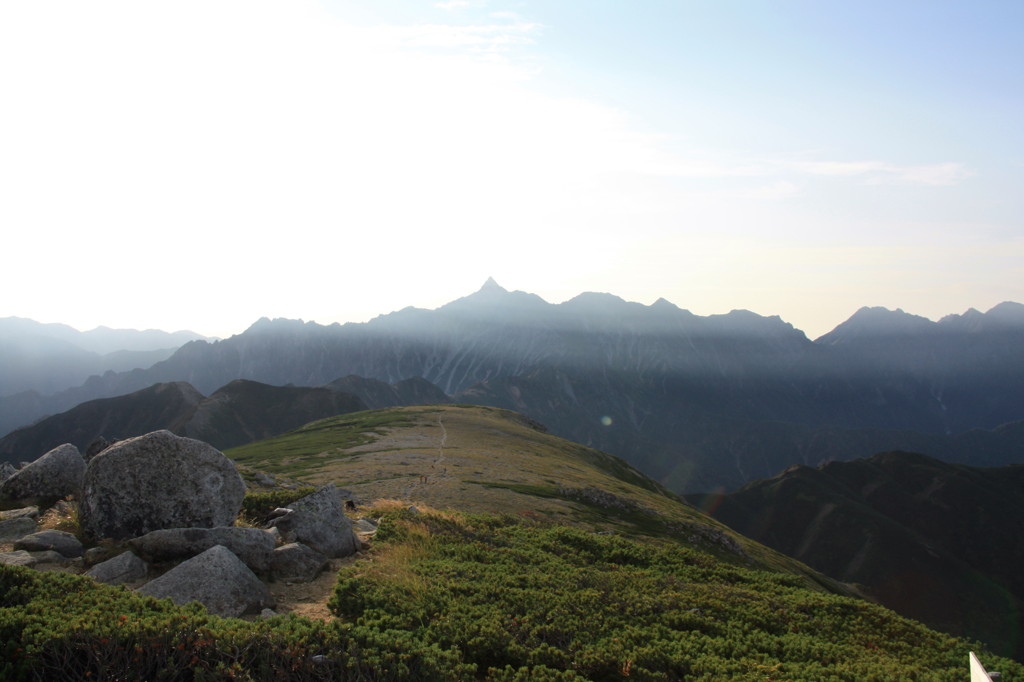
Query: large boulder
(63, 543)
(318, 520)
(6, 470)
(218, 580)
(56, 474)
(158, 481)
(253, 546)
(124, 568)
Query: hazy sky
(202, 164)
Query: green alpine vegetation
(450, 596)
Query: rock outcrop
(217, 579)
(158, 481)
(56, 474)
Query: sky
(201, 164)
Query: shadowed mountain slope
(238, 413)
(934, 541)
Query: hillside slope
(478, 459)
(934, 541)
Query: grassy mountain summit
(480, 459)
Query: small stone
(18, 558)
(96, 555)
(25, 512)
(364, 526)
(57, 540)
(296, 562)
(17, 528)
(124, 568)
(50, 557)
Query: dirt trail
(436, 470)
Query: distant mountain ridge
(696, 402)
(101, 340)
(47, 358)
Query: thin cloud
(456, 5)
(882, 173)
(478, 38)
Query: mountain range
(46, 358)
(696, 402)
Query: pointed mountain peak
(491, 285)
(495, 298)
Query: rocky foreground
(158, 514)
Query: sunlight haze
(199, 165)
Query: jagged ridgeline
(526, 557)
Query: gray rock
(48, 556)
(57, 540)
(158, 481)
(253, 546)
(17, 528)
(267, 613)
(124, 568)
(364, 526)
(56, 474)
(276, 534)
(318, 520)
(24, 512)
(96, 555)
(297, 562)
(96, 447)
(6, 470)
(218, 580)
(18, 558)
